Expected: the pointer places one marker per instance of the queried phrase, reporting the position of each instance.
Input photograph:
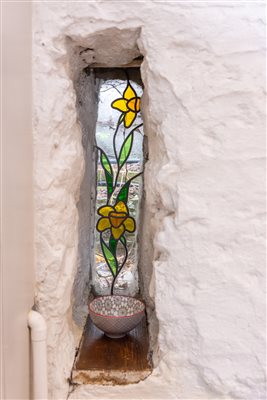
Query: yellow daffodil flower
(115, 218)
(129, 104)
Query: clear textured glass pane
(119, 138)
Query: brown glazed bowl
(116, 315)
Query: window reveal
(119, 137)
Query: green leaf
(123, 241)
(105, 163)
(108, 172)
(113, 245)
(109, 180)
(126, 149)
(109, 257)
(121, 118)
(123, 193)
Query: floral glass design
(129, 105)
(116, 216)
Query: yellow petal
(120, 104)
(103, 224)
(129, 118)
(129, 92)
(134, 105)
(116, 219)
(129, 224)
(117, 232)
(105, 210)
(121, 207)
(137, 104)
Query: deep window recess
(119, 142)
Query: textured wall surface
(86, 92)
(204, 117)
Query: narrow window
(119, 143)
(110, 221)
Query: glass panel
(119, 138)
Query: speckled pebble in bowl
(116, 315)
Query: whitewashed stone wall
(204, 117)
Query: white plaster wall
(204, 117)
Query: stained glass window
(119, 144)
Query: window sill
(106, 361)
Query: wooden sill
(106, 361)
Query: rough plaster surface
(203, 109)
(86, 91)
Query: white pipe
(37, 324)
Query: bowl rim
(116, 316)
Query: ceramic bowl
(116, 315)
